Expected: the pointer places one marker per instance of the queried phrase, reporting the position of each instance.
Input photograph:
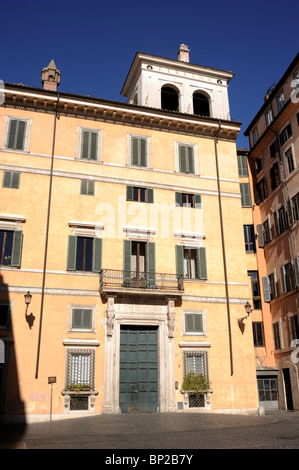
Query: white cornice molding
(124, 113)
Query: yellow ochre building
(123, 269)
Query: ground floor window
(268, 392)
(196, 372)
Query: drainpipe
(47, 237)
(223, 252)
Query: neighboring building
(122, 221)
(266, 370)
(274, 163)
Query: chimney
(183, 53)
(50, 77)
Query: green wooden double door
(138, 378)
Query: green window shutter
(15, 182)
(202, 263)
(179, 260)
(197, 199)
(17, 248)
(134, 151)
(143, 152)
(21, 135)
(87, 187)
(82, 318)
(193, 323)
(90, 186)
(242, 165)
(89, 145)
(16, 134)
(150, 195)
(245, 195)
(93, 143)
(6, 179)
(97, 255)
(182, 159)
(190, 160)
(83, 187)
(138, 151)
(178, 199)
(127, 262)
(11, 134)
(151, 263)
(72, 252)
(11, 179)
(129, 193)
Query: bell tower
(178, 85)
(50, 77)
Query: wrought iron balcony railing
(118, 279)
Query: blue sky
(94, 42)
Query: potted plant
(195, 383)
(193, 386)
(81, 387)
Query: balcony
(114, 281)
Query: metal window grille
(197, 400)
(197, 362)
(80, 367)
(78, 403)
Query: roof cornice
(22, 97)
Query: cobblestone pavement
(157, 432)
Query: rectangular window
(255, 135)
(294, 327)
(84, 254)
(11, 179)
(139, 264)
(249, 238)
(242, 165)
(245, 195)
(258, 334)
(186, 159)
(255, 290)
(196, 362)
(289, 160)
(139, 151)
(266, 232)
(276, 335)
(280, 101)
(140, 194)
(193, 323)
(282, 220)
(5, 318)
(273, 286)
(191, 262)
(274, 176)
(82, 319)
(188, 200)
(287, 278)
(285, 134)
(258, 165)
(268, 116)
(10, 247)
(16, 135)
(80, 368)
(274, 149)
(261, 187)
(87, 187)
(89, 144)
(295, 207)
